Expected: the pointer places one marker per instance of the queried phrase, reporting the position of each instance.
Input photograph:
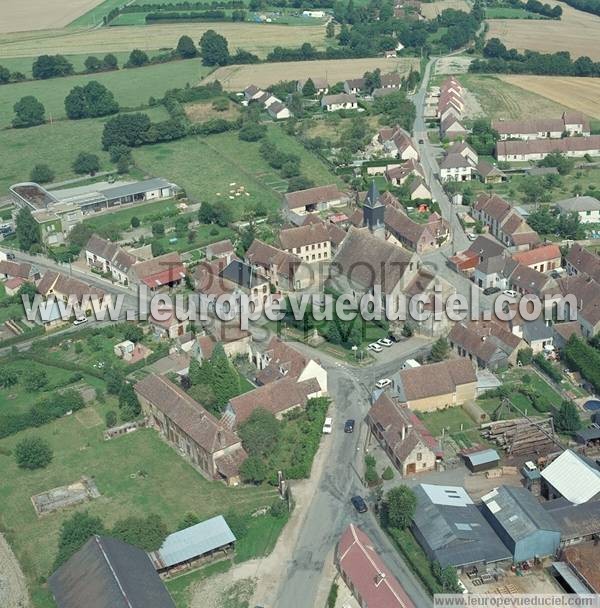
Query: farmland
(150, 81)
(581, 94)
(500, 100)
(576, 32)
(237, 77)
(253, 37)
(431, 10)
(19, 16)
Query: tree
(110, 418)
(135, 221)
(27, 229)
(114, 379)
(35, 380)
(33, 453)
(260, 433)
(214, 49)
(563, 163)
(400, 505)
(543, 221)
(525, 356)
(80, 235)
(482, 137)
(129, 130)
(29, 112)
(51, 66)
(440, 350)
(299, 182)
(567, 420)
(4, 75)
(158, 229)
(86, 163)
(41, 174)
(252, 131)
(134, 333)
(137, 58)
(8, 377)
(225, 380)
(147, 533)
(330, 30)
(407, 331)
(128, 402)
(388, 473)
(186, 47)
(74, 533)
(309, 89)
(110, 62)
(253, 470)
(92, 100)
(189, 520)
(93, 64)
(237, 524)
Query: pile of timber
(521, 435)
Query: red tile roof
(545, 253)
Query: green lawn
(180, 587)
(450, 419)
(500, 12)
(132, 88)
(8, 311)
(94, 16)
(121, 220)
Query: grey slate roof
(136, 188)
(537, 330)
(579, 203)
(242, 274)
(108, 573)
(575, 521)
(482, 457)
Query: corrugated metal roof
(195, 540)
(452, 496)
(571, 578)
(135, 188)
(483, 457)
(577, 480)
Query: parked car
(385, 342)
(471, 236)
(511, 293)
(10, 256)
(328, 426)
(359, 504)
(490, 291)
(421, 141)
(349, 426)
(383, 383)
(375, 347)
(80, 320)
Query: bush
(110, 419)
(278, 508)
(41, 174)
(33, 453)
(525, 356)
(547, 368)
(146, 533)
(388, 473)
(86, 163)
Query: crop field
(576, 32)
(215, 168)
(199, 112)
(581, 94)
(253, 37)
(238, 77)
(149, 81)
(431, 10)
(501, 100)
(19, 16)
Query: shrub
(41, 174)
(110, 419)
(547, 368)
(33, 453)
(388, 473)
(278, 508)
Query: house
(484, 246)
(391, 80)
(403, 437)
(562, 333)
(525, 280)
(108, 258)
(234, 340)
(321, 85)
(18, 270)
(437, 385)
(108, 572)
(494, 271)
(314, 14)
(537, 149)
(410, 234)
(419, 190)
(252, 92)
(220, 249)
(570, 123)
(278, 359)
(452, 531)
(586, 292)
(278, 111)
(342, 101)
(13, 286)
(538, 334)
(452, 128)
(266, 100)
(572, 477)
(354, 86)
(278, 398)
(519, 519)
(397, 175)
(253, 284)
(544, 258)
(157, 273)
(486, 343)
(69, 289)
(311, 242)
(587, 208)
(581, 261)
(166, 325)
(397, 143)
(212, 449)
(490, 174)
(456, 168)
(194, 546)
(365, 573)
(464, 149)
(313, 200)
(283, 269)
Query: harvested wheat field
(253, 37)
(431, 10)
(576, 32)
(581, 94)
(238, 77)
(20, 16)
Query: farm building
(365, 573)
(157, 273)
(343, 101)
(313, 200)
(537, 149)
(451, 529)
(521, 522)
(571, 123)
(482, 460)
(571, 476)
(577, 523)
(193, 546)
(108, 573)
(582, 561)
(586, 207)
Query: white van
(328, 426)
(410, 364)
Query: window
(419, 456)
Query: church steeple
(373, 210)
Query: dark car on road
(359, 504)
(490, 291)
(349, 426)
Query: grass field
(501, 100)
(576, 32)
(149, 81)
(581, 94)
(18, 16)
(237, 77)
(507, 12)
(450, 419)
(201, 111)
(94, 16)
(207, 166)
(431, 10)
(256, 38)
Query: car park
(383, 383)
(349, 426)
(359, 504)
(375, 347)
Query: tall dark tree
(400, 504)
(74, 533)
(129, 130)
(309, 89)
(86, 163)
(90, 101)
(214, 49)
(33, 453)
(4, 75)
(29, 112)
(440, 350)
(51, 66)
(137, 58)
(110, 62)
(41, 174)
(260, 432)
(27, 230)
(186, 47)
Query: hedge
(547, 368)
(585, 359)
